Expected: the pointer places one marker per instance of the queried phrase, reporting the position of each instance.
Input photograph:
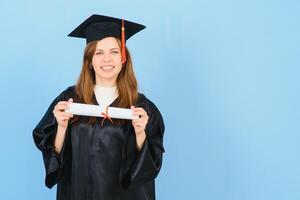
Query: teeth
(107, 67)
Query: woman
(115, 159)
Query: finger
(139, 108)
(65, 119)
(61, 107)
(141, 114)
(69, 102)
(140, 121)
(67, 115)
(133, 110)
(139, 111)
(62, 103)
(62, 115)
(139, 124)
(143, 120)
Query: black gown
(101, 162)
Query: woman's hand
(139, 125)
(61, 116)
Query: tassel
(123, 43)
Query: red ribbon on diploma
(106, 116)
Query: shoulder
(147, 104)
(69, 92)
(155, 124)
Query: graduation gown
(101, 163)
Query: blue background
(225, 75)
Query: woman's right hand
(61, 116)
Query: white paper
(95, 111)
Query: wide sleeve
(148, 161)
(43, 136)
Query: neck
(106, 83)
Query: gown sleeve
(43, 136)
(148, 161)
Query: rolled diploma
(95, 111)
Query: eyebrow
(110, 49)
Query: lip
(108, 69)
(110, 66)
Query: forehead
(107, 43)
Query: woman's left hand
(140, 123)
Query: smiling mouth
(107, 67)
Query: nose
(106, 57)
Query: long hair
(126, 83)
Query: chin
(108, 77)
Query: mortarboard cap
(97, 27)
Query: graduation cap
(97, 27)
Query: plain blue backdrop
(225, 75)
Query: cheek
(117, 58)
(118, 61)
(96, 60)
(119, 68)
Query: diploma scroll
(96, 111)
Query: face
(107, 62)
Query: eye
(115, 52)
(99, 53)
